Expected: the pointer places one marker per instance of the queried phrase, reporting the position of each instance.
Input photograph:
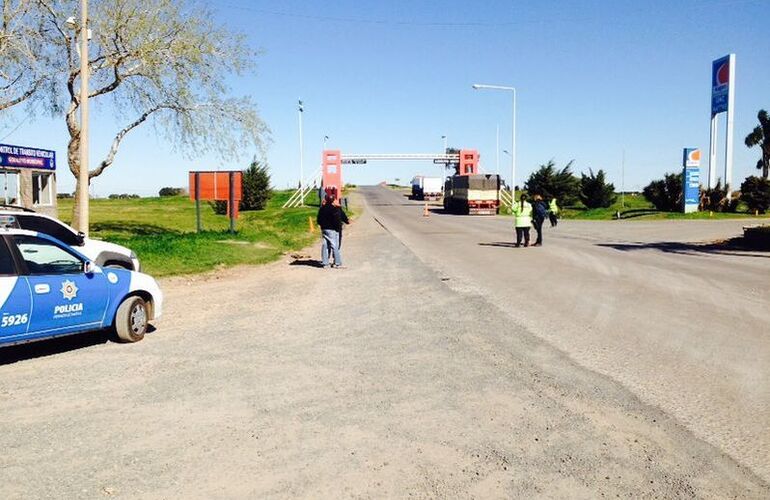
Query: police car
(48, 289)
(101, 253)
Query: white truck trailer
(427, 188)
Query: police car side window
(44, 257)
(7, 266)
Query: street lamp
(479, 86)
(82, 200)
(445, 142)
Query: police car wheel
(131, 320)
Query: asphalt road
(683, 325)
(413, 372)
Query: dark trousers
(522, 232)
(554, 220)
(538, 223)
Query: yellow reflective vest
(523, 214)
(553, 207)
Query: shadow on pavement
(503, 244)
(730, 247)
(306, 262)
(51, 347)
(32, 350)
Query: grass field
(162, 232)
(635, 206)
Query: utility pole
(623, 181)
(497, 149)
(83, 172)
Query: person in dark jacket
(330, 219)
(539, 213)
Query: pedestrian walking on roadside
(522, 211)
(330, 219)
(553, 212)
(539, 212)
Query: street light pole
(83, 171)
(445, 142)
(479, 86)
(300, 110)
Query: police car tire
(125, 328)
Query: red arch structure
(466, 163)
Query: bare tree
(163, 62)
(22, 54)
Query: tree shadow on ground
(135, 228)
(734, 247)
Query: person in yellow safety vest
(553, 211)
(522, 212)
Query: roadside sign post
(198, 225)
(217, 186)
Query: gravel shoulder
(379, 380)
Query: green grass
(162, 232)
(636, 207)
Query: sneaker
(340, 266)
(326, 266)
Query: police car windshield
(48, 226)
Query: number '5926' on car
(47, 289)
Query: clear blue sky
(594, 78)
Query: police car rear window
(49, 227)
(6, 261)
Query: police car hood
(92, 248)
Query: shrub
(595, 192)
(715, 199)
(171, 191)
(256, 187)
(123, 196)
(665, 194)
(550, 182)
(755, 192)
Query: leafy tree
(755, 191)
(550, 182)
(595, 192)
(760, 136)
(665, 194)
(256, 187)
(163, 62)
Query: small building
(28, 178)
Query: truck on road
(474, 194)
(426, 188)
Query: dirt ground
(379, 380)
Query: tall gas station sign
(722, 101)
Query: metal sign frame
(722, 100)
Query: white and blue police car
(48, 289)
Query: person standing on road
(553, 212)
(330, 219)
(539, 214)
(522, 211)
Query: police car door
(15, 299)
(64, 298)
